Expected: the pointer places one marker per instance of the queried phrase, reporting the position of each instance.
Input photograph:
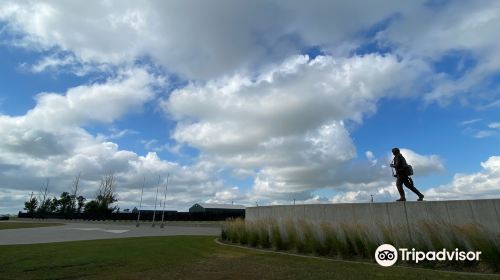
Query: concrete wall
(403, 215)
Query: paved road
(91, 231)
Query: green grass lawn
(14, 225)
(183, 257)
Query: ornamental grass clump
(291, 236)
(276, 238)
(433, 236)
(252, 230)
(478, 239)
(305, 242)
(332, 242)
(234, 230)
(264, 237)
(314, 238)
(353, 241)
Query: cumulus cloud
(467, 29)
(379, 194)
(50, 141)
(252, 103)
(99, 102)
(12, 199)
(193, 38)
(482, 184)
(362, 180)
(358, 180)
(92, 158)
(287, 123)
(200, 40)
(53, 126)
(422, 165)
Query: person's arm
(398, 162)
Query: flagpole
(156, 201)
(164, 200)
(140, 204)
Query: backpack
(409, 170)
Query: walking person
(403, 176)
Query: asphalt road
(92, 231)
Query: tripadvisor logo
(387, 255)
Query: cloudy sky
(249, 101)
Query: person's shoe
(420, 198)
(401, 199)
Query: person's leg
(399, 186)
(409, 184)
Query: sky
(249, 102)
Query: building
(218, 209)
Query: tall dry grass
(353, 241)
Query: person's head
(395, 151)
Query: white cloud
(12, 200)
(287, 124)
(466, 27)
(484, 133)
(200, 40)
(49, 141)
(494, 125)
(187, 184)
(53, 126)
(117, 133)
(52, 62)
(381, 194)
(469, 122)
(193, 38)
(99, 102)
(368, 178)
(482, 184)
(283, 124)
(422, 165)
(371, 157)
(293, 98)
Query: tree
(81, 203)
(53, 204)
(43, 201)
(65, 204)
(101, 206)
(91, 207)
(74, 193)
(31, 204)
(106, 194)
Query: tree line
(70, 203)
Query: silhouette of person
(400, 165)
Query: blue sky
(249, 103)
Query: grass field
(14, 225)
(183, 257)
